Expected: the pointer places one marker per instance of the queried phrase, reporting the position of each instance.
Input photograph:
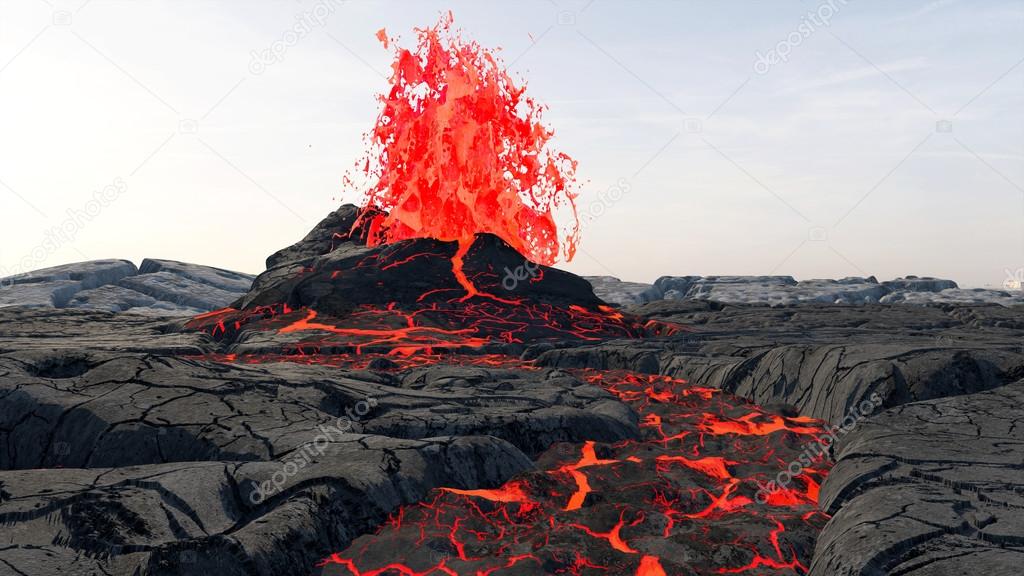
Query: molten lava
(679, 500)
(459, 149)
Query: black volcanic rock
(323, 238)
(159, 287)
(823, 359)
(152, 462)
(786, 291)
(410, 272)
(927, 489)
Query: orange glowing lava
(632, 506)
(459, 149)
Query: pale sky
(889, 141)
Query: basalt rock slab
(231, 517)
(611, 289)
(129, 462)
(960, 296)
(823, 360)
(787, 291)
(227, 280)
(158, 287)
(929, 488)
(56, 286)
(93, 409)
(73, 332)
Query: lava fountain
(463, 185)
(460, 149)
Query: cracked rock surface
(929, 488)
(785, 290)
(126, 462)
(159, 287)
(820, 359)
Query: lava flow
(683, 499)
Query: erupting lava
(465, 188)
(459, 149)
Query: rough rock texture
(181, 291)
(915, 284)
(682, 287)
(125, 461)
(929, 488)
(27, 329)
(162, 287)
(120, 452)
(57, 285)
(786, 291)
(821, 359)
(957, 296)
(216, 277)
(323, 238)
(208, 517)
(611, 289)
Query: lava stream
(688, 484)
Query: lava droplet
(459, 149)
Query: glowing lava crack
(680, 500)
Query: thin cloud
(861, 73)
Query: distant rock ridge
(164, 287)
(785, 291)
(168, 287)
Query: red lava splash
(681, 500)
(460, 149)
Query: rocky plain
(134, 440)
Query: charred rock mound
(330, 293)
